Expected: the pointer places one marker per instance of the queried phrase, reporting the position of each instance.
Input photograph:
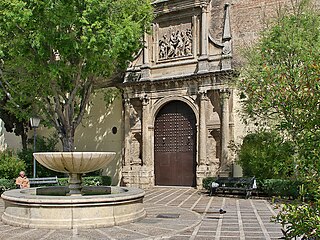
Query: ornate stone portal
(176, 96)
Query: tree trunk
(68, 142)
(24, 140)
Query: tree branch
(84, 101)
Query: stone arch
(162, 102)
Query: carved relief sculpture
(179, 44)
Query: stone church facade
(178, 111)
(180, 108)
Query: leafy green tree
(280, 82)
(54, 53)
(280, 86)
(266, 155)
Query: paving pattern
(175, 214)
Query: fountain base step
(25, 208)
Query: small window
(114, 130)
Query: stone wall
(248, 19)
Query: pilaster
(224, 159)
(145, 68)
(226, 40)
(146, 170)
(203, 65)
(127, 106)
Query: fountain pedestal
(75, 184)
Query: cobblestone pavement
(175, 214)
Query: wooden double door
(175, 145)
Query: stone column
(203, 129)
(146, 170)
(126, 168)
(224, 158)
(202, 167)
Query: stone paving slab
(185, 213)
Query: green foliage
(280, 83)
(266, 155)
(280, 86)
(279, 188)
(10, 165)
(90, 181)
(43, 144)
(300, 220)
(55, 53)
(6, 184)
(280, 80)
(206, 182)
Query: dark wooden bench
(43, 180)
(233, 184)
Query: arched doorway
(175, 145)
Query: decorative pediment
(163, 7)
(181, 44)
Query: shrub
(6, 184)
(10, 165)
(279, 188)
(90, 181)
(267, 155)
(206, 182)
(300, 220)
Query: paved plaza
(175, 214)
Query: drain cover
(168, 215)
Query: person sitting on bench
(22, 181)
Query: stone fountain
(73, 206)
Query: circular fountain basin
(74, 162)
(102, 207)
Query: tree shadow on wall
(101, 131)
